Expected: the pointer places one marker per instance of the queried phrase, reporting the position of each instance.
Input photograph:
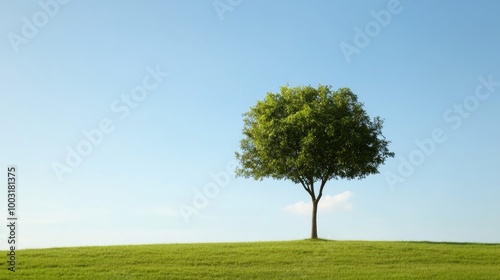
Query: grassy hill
(305, 259)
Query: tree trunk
(314, 230)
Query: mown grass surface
(305, 259)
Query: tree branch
(308, 190)
(323, 183)
(313, 195)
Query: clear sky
(123, 118)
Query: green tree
(310, 136)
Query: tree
(310, 136)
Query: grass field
(304, 259)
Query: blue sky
(186, 71)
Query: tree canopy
(308, 135)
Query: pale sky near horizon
(123, 118)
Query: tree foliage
(308, 135)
